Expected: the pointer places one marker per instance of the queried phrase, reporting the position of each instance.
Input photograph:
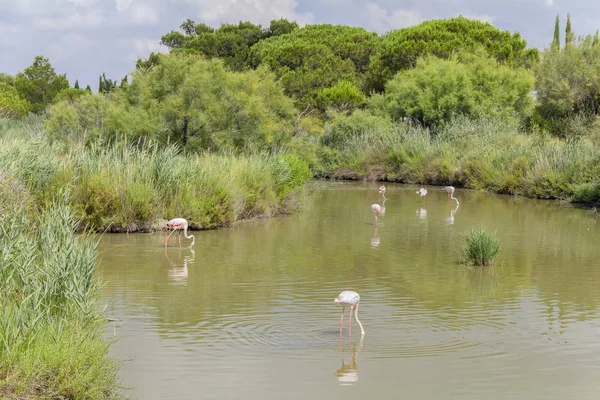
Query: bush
(481, 248)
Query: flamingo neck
(185, 227)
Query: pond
(249, 312)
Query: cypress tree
(568, 32)
(556, 40)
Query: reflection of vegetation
(481, 247)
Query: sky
(85, 38)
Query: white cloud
(69, 22)
(550, 2)
(256, 11)
(83, 3)
(123, 5)
(143, 47)
(380, 20)
(65, 47)
(483, 17)
(143, 14)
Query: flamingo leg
(342, 319)
(167, 238)
(350, 318)
(179, 236)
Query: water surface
(249, 312)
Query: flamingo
(450, 191)
(422, 192)
(351, 299)
(376, 208)
(382, 191)
(177, 224)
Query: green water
(250, 314)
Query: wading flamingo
(382, 191)
(450, 191)
(178, 224)
(349, 299)
(376, 208)
(422, 192)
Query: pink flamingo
(349, 299)
(376, 208)
(422, 192)
(178, 224)
(450, 191)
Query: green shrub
(481, 247)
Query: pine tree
(88, 88)
(76, 86)
(568, 32)
(556, 40)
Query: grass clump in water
(481, 247)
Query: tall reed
(486, 154)
(137, 186)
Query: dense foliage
(185, 99)
(316, 57)
(230, 42)
(470, 84)
(400, 49)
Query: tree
(315, 57)
(39, 84)
(401, 48)
(344, 96)
(106, 85)
(202, 105)
(568, 32)
(230, 42)
(556, 39)
(474, 85)
(76, 86)
(124, 83)
(567, 81)
(281, 26)
(8, 79)
(11, 104)
(88, 89)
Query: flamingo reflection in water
(350, 299)
(348, 373)
(375, 238)
(450, 219)
(179, 274)
(422, 213)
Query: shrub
(481, 247)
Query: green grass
(481, 247)
(51, 342)
(137, 186)
(485, 154)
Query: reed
(481, 247)
(136, 186)
(484, 154)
